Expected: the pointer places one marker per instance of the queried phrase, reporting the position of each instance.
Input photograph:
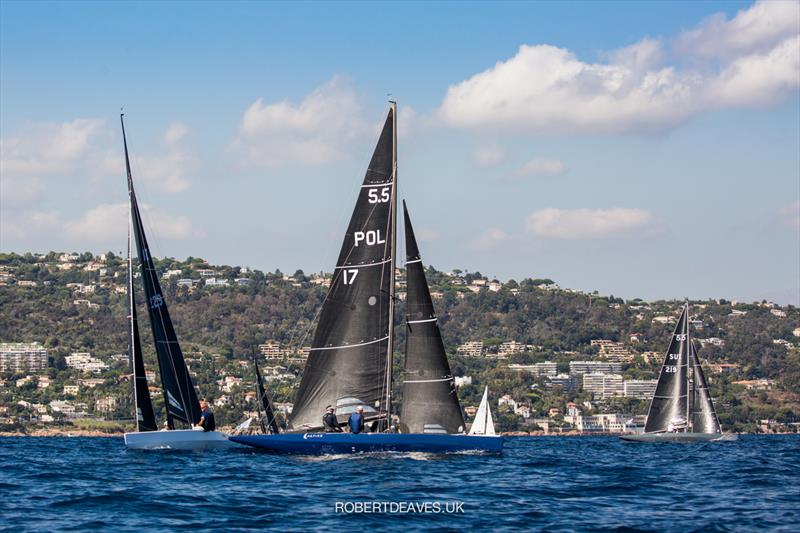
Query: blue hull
(339, 443)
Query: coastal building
(538, 369)
(755, 384)
(44, 382)
(567, 382)
(613, 351)
(712, 341)
(84, 362)
(71, 389)
(460, 381)
(272, 350)
(22, 357)
(641, 389)
(471, 349)
(724, 368)
(593, 367)
(106, 404)
(602, 385)
(216, 282)
(510, 348)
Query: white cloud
(175, 133)
(491, 239)
(789, 216)
(488, 155)
(545, 89)
(19, 190)
(165, 172)
(541, 167)
(312, 132)
(109, 222)
(426, 234)
(758, 28)
(589, 223)
(30, 223)
(47, 148)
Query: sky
(640, 149)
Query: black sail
(179, 394)
(430, 402)
(269, 413)
(145, 416)
(669, 407)
(346, 366)
(704, 416)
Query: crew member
(206, 418)
(329, 421)
(356, 421)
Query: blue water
(557, 484)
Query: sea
(544, 483)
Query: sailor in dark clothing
(356, 421)
(329, 421)
(206, 422)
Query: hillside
(77, 303)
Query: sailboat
(350, 361)
(681, 409)
(483, 423)
(180, 398)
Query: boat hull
(672, 437)
(341, 443)
(178, 439)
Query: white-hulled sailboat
(681, 409)
(180, 399)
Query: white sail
(483, 423)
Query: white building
(538, 369)
(603, 385)
(84, 362)
(460, 381)
(641, 389)
(589, 367)
(510, 348)
(471, 349)
(22, 357)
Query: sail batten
(430, 401)
(347, 362)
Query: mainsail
(430, 402)
(704, 416)
(346, 366)
(669, 408)
(483, 423)
(180, 397)
(145, 417)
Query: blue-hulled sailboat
(350, 362)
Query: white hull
(178, 439)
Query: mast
(393, 262)
(131, 311)
(143, 405)
(689, 397)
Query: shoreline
(96, 433)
